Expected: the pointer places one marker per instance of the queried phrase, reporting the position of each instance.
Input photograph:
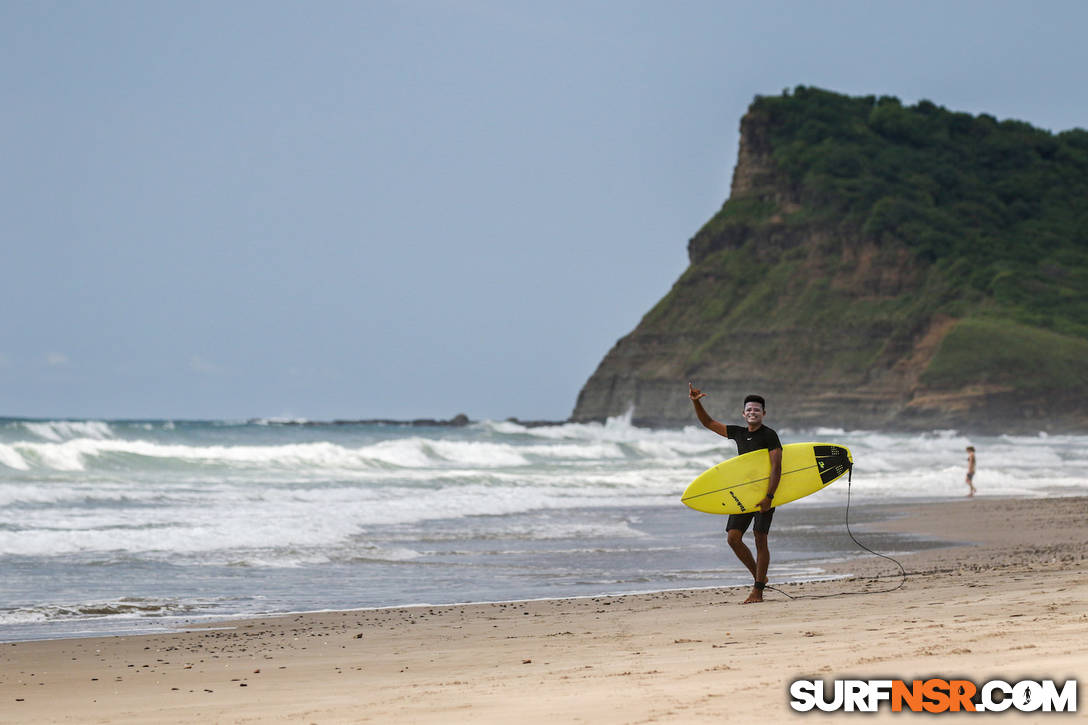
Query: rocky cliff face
(833, 328)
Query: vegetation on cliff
(1001, 208)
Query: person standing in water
(753, 437)
(971, 471)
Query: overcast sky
(411, 209)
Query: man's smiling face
(753, 414)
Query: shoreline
(835, 565)
(1013, 604)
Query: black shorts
(743, 521)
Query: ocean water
(129, 526)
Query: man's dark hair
(756, 399)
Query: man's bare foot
(756, 596)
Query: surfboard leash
(902, 571)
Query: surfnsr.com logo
(934, 695)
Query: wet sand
(1009, 602)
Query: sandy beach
(1008, 601)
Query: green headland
(876, 265)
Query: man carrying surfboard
(753, 437)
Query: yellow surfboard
(739, 484)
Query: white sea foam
(77, 454)
(231, 518)
(126, 607)
(12, 458)
(574, 451)
(472, 453)
(60, 430)
(80, 453)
